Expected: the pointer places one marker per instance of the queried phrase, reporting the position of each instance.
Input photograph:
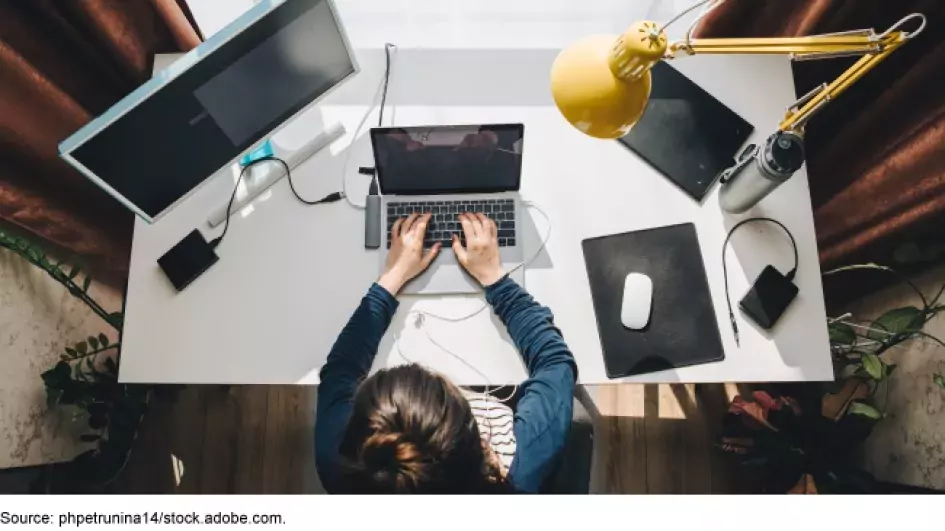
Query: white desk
(290, 275)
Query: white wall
(908, 446)
(38, 318)
(369, 23)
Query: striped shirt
(495, 421)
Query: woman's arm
(543, 414)
(348, 363)
(351, 357)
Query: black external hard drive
(187, 260)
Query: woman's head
(413, 431)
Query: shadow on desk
(755, 246)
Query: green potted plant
(803, 438)
(86, 378)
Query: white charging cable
(423, 314)
(531, 259)
(357, 132)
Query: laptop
(448, 170)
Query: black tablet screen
(685, 133)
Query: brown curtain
(876, 155)
(62, 62)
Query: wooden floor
(258, 439)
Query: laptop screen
(448, 159)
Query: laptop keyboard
(444, 223)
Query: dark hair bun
(390, 452)
(411, 430)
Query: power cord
(789, 276)
(683, 13)
(388, 48)
(696, 22)
(380, 93)
(509, 272)
(330, 198)
(422, 314)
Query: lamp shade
(601, 84)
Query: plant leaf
(52, 397)
(74, 272)
(841, 333)
(98, 421)
(82, 347)
(834, 405)
(72, 353)
(890, 368)
(93, 342)
(103, 340)
(53, 376)
(111, 366)
(64, 369)
(86, 283)
(896, 321)
(865, 410)
(873, 366)
(755, 413)
(939, 380)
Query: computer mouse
(637, 301)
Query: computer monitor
(160, 143)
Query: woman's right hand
(406, 258)
(480, 257)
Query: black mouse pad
(685, 133)
(682, 329)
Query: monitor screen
(448, 159)
(172, 140)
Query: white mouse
(637, 300)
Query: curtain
(62, 62)
(876, 155)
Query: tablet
(685, 133)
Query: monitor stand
(260, 178)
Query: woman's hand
(406, 258)
(481, 255)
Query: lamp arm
(803, 110)
(873, 48)
(849, 43)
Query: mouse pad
(682, 329)
(685, 133)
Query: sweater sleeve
(348, 363)
(543, 415)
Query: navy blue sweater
(543, 414)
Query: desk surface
(290, 275)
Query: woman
(407, 429)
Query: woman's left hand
(406, 258)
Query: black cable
(790, 275)
(330, 198)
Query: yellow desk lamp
(601, 85)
